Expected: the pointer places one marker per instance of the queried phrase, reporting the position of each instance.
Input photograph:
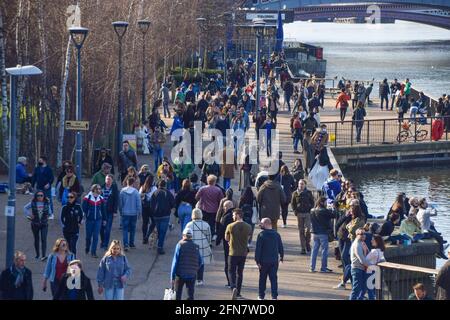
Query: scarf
(68, 182)
(18, 274)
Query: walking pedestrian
(40, 212)
(143, 173)
(209, 197)
(100, 176)
(132, 173)
(16, 281)
(320, 228)
(161, 204)
(358, 120)
(237, 234)
(358, 253)
(94, 211)
(302, 202)
(148, 222)
(57, 264)
(201, 235)
(127, 158)
(287, 183)
(164, 93)
(186, 262)
(69, 183)
(225, 220)
(113, 272)
(184, 203)
(110, 194)
(268, 253)
(342, 102)
(43, 179)
(130, 208)
(270, 197)
(384, 93)
(71, 218)
(104, 157)
(66, 290)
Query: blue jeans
(268, 269)
(114, 293)
(320, 240)
(358, 133)
(92, 232)
(184, 215)
(128, 226)
(166, 109)
(158, 154)
(297, 139)
(105, 231)
(358, 284)
(370, 292)
(226, 183)
(162, 224)
(344, 247)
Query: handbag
(255, 216)
(169, 294)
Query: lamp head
(258, 25)
(144, 25)
(120, 27)
(78, 35)
(200, 21)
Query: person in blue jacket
(95, 214)
(42, 179)
(332, 187)
(185, 265)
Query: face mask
(40, 164)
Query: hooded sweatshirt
(130, 202)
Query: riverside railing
(383, 131)
(397, 280)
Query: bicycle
(419, 135)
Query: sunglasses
(71, 197)
(39, 195)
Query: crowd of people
(203, 201)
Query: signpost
(77, 125)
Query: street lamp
(120, 27)
(143, 25)
(227, 16)
(78, 36)
(200, 24)
(10, 209)
(258, 27)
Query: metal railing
(383, 131)
(397, 281)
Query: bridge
(430, 12)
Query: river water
(401, 50)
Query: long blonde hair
(58, 244)
(114, 243)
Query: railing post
(431, 127)
(384, 131)
(415, 131)
(351, 133)
(335, 134)
(368, 131)
(446, 129)
(399, 130)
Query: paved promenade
(151, 272)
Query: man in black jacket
(16, 281)
(269, 251)
(321, 227)
(161, 204)
(127, 158)
(302, 202)
(110, 194)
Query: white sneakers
(340, 286)
(199, 283)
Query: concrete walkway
(151, 271)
